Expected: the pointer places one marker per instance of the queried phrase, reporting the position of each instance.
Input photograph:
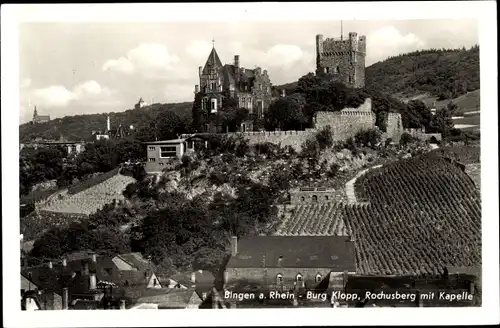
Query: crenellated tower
(344, 58)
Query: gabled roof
(213, 60)
(335, 252)
(169, 298)
(136, 260)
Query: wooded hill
(80, 127)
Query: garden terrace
(37, 222)
(93, 181)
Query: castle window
(337, 70)
(214, 86)
(298, 278)
(315, 198)
(155, 282)
(152, 159)
(350, 79)
(327, 70)
(318, 278)
(302, 198)
(326, 197)
(279, 278)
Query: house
(292, 265)
(141, 104)
(46, 285)
(251, 88)
(165, 154)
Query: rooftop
(335, 252)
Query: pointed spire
(341, 30)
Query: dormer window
(318, 277)
(279, 278)
(298, 278)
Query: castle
(250, 87)
(343, 58)
(39, 118)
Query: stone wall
(312, 195)
(283, 138)
(346, 123)
(420, 134)
(394, 125)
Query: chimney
(237, 61)
(64, 262)
(50, 265)
(122, 305)
(196, 88)
(65, 298)
(234, 245)
(193, 279)
(93, 281)
(109, 124)
(200, 70)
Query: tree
(286, 113)
(442, 121)
(416, 115)
(406, 138)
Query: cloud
(59, 96)
(25, 83)
(121, 64)
(389, 41)
(151, 60)
(199, 49)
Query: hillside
(80, 127)
(447, 73)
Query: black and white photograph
(245, 156)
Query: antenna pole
(341, 30)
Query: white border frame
(484, 11)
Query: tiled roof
(333, 252)
(204, 280)
(165, 297)
(213, 60)
(136, 260)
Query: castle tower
(35, 114)
(343, 58)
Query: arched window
(298, 278)
(302, 198)
(279, 278)
(315, 198)
(318, 277)
(326, 197)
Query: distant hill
(469, 102)
(446, 73)
(80, 127)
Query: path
(349, 186)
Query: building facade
(343, 58)
(251, 88)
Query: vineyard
(37, 222)
(314, 220)
(424, 214)
(464, 154)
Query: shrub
(368, 138)
(218, 179)
(310, 149)
(333, 171)
(325, 138)
(406, 138)
(266, 148)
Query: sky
(69, 68)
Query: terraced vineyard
(424, 214)
(314, 220)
